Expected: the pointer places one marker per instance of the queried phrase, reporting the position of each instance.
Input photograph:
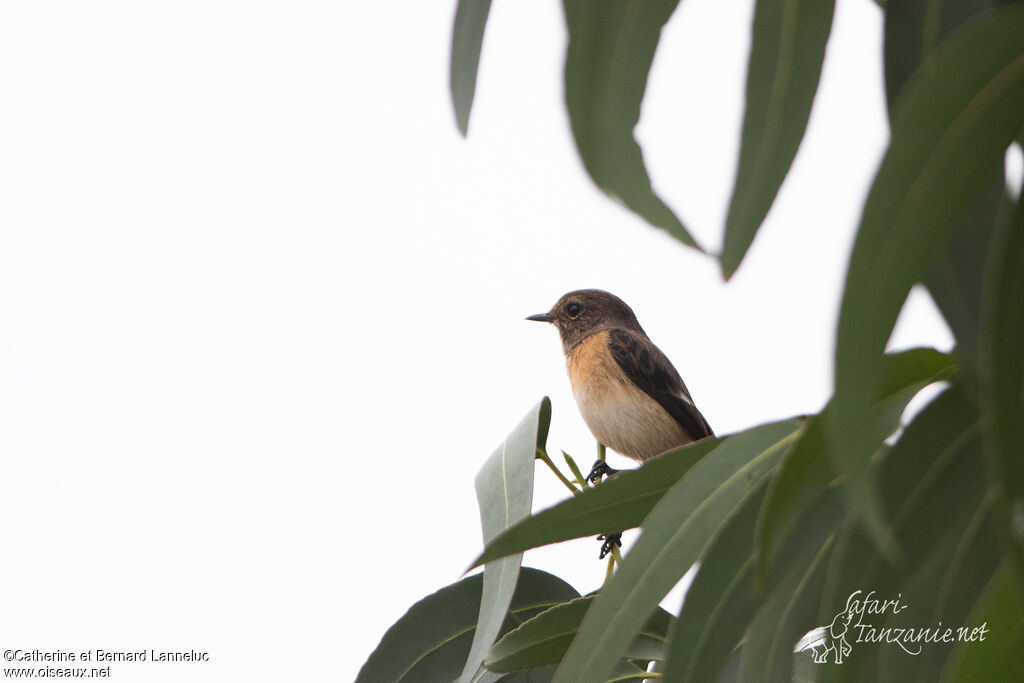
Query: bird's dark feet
(600, 469)
(611, 541)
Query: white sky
(261, 308)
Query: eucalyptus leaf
(1002, 361)
(611, 48)
(788, 48)
(430, 643)
(674, 536)
(948, 134)
(719, 602)
(998, 657)
(467, 41)
(807, 471)
(504, 490)
(624, 501)
(912, 31)
(544, 639)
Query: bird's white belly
(619, 414)
(637, 427)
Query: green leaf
(467, 39)
(800, 479)
(504, 490)
(932, 489)
(674, 536)
(1002, 362)
(956, 279)
(785, 65)
(948, 134)
(617, 504)
(912, 369)
(718, 603)
(623, 501)
(806, 471)
(913, 29)
(791, 604)
(544, 639)
(946, 584)
(611, 47)
(431, 641)
(998, 657)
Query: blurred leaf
(912, 369)
(790, 604)
(674, 536)
(623, 501)
(998, 657)
(719, 603)
(544, 639)
(504, 490)
(611, 47)
(1003, 362)
(543, 675)
(946, 584)
(431, 641)
(932, 488)
(724, 597)
(913, 29)
(802, 477)
(467, 39)
(785, 65)
(806, 471)
(956, 279)
(950, 130)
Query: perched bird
(631, 397)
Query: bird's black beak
(542, 318)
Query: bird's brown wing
(649, 369)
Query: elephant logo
(835, 640)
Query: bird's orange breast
(619, 414)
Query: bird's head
(581, 313)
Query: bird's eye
(574, 310)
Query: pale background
(261, 307)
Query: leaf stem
(611, 568)
(542, 455)
(575, 470)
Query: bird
(629, 394)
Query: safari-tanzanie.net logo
(863, 620)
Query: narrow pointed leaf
(674, 536)
(932, 487)
(913, 29)
(948, 135)
(544, 639)
(998, 657)
(623, 501)
(946, 584)
(1003, 363)
(799, 480)
(785, 65)
(807, 472)
(789, 609)
(504, 490)
(725, 596)
(429, 644)
(611, 48)
(720, 598)
(956, 279)
(467, 40)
